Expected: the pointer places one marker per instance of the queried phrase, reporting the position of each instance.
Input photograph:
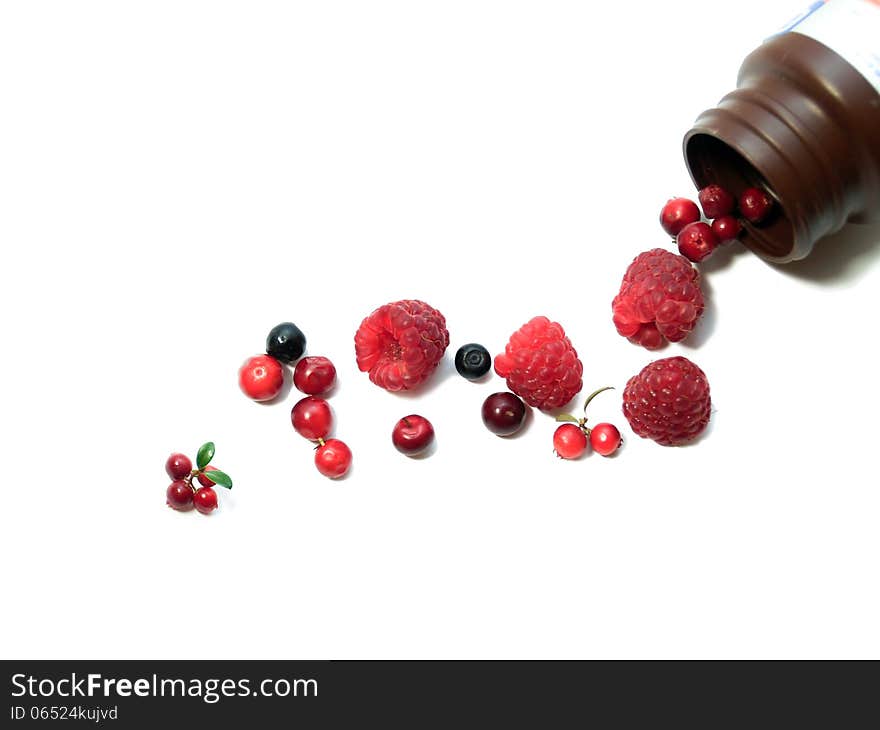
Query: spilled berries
(182, 494)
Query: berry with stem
(178, 466)
(332, 458)
(179, 495)
(182, 495)
(412, 435)
(205, 500)
(604, 438)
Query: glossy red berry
(312, 418)
(179, 495)
(605, 438)
(314, 375)
(503, 413)
(726, 228)
(677, 213)
(261, 377)
(333, 458)
(716, 201)
(203, 480)
(205, 500)
(755, 205)
(569, 441)
(178, 466)
(696, 241)
(412, 435)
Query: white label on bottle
(850, 28)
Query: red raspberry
(660, 299)
(401, 344)
(668, 401)
(540, 365)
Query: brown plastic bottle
(804, 123)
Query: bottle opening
(712, 161)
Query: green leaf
(206, 453)
(567, 417)
(219, 477)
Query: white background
(178, 177)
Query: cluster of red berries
(312, 417)
(182, 494)
(697, 239)
(571, 439)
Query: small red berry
(503, 413)
(677, 213)
(716, 201)
(755, 205)
(178, 466)
(205, 500)
(412, 435)
(203, 480)
(312, 418)
(314, 375)
(333, 458)
(179, 495)
(696, 241)
(726, 228)
(605, 438)
(261, 377)
(569, 441)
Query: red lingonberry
(312, 418)
(261, 377)
(205, 500)
(333, 458)
(755, 204)
(726, 228)
(179, 495)
(314, 375)
(569, 441)
(677, 213)
(716, 201)
(605, 438)
(203, 480)
(178, 466)
(696, 241)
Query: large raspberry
(660, 299)
(668, 401)
(401, 344)
(540, 365)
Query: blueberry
(286, 342)
(472, 361)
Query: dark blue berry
(286, 342)
(472, 361)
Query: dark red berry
(755, 205)
(314, 375)
(205, 500)
(569, 441)
(696, 241)
(716, 201)
(503, 413)
(605, 438)
(726, 228)
(179, 495)
(677, 213)
(412, 435)
(178, 466)
(312, 418)
(261, 377)
(203, 480)
(333, 458)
